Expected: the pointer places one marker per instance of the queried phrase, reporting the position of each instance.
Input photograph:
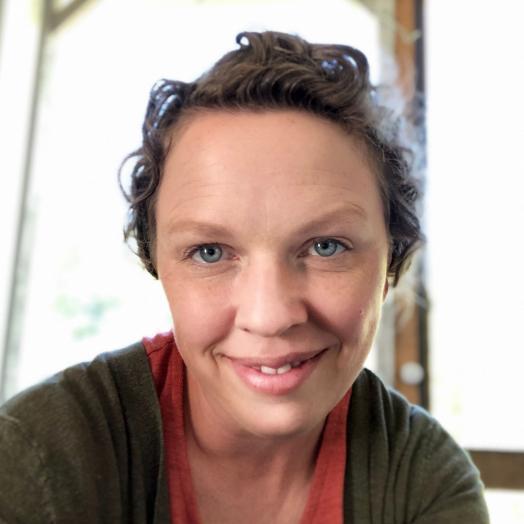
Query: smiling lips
(293, 359)
(277, 375)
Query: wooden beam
(17, 297)
(405, 36)
(500, 469)
(411, 328)
(407, 350)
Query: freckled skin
(261, 177)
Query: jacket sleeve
(445, 486)
(24, 488)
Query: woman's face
(272, 251)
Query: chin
(283, 421)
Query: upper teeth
(279, 371)
(275, 371)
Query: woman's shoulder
(72, 441)
(404, 464)
(398, 433)
(87, 389)
(386, 408)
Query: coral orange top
(325, 501)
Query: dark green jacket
(86, 447)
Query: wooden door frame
(499, 469)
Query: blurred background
(74, 82)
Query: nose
(269, 299)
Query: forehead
(209, 140)
(264, 164)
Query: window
(475, 216)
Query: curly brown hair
(272, 71)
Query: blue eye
(209, 253)
(328, 247)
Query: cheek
(357, 325)
(201, 316)
(352, 311)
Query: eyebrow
(345, 214)
(197, 226)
